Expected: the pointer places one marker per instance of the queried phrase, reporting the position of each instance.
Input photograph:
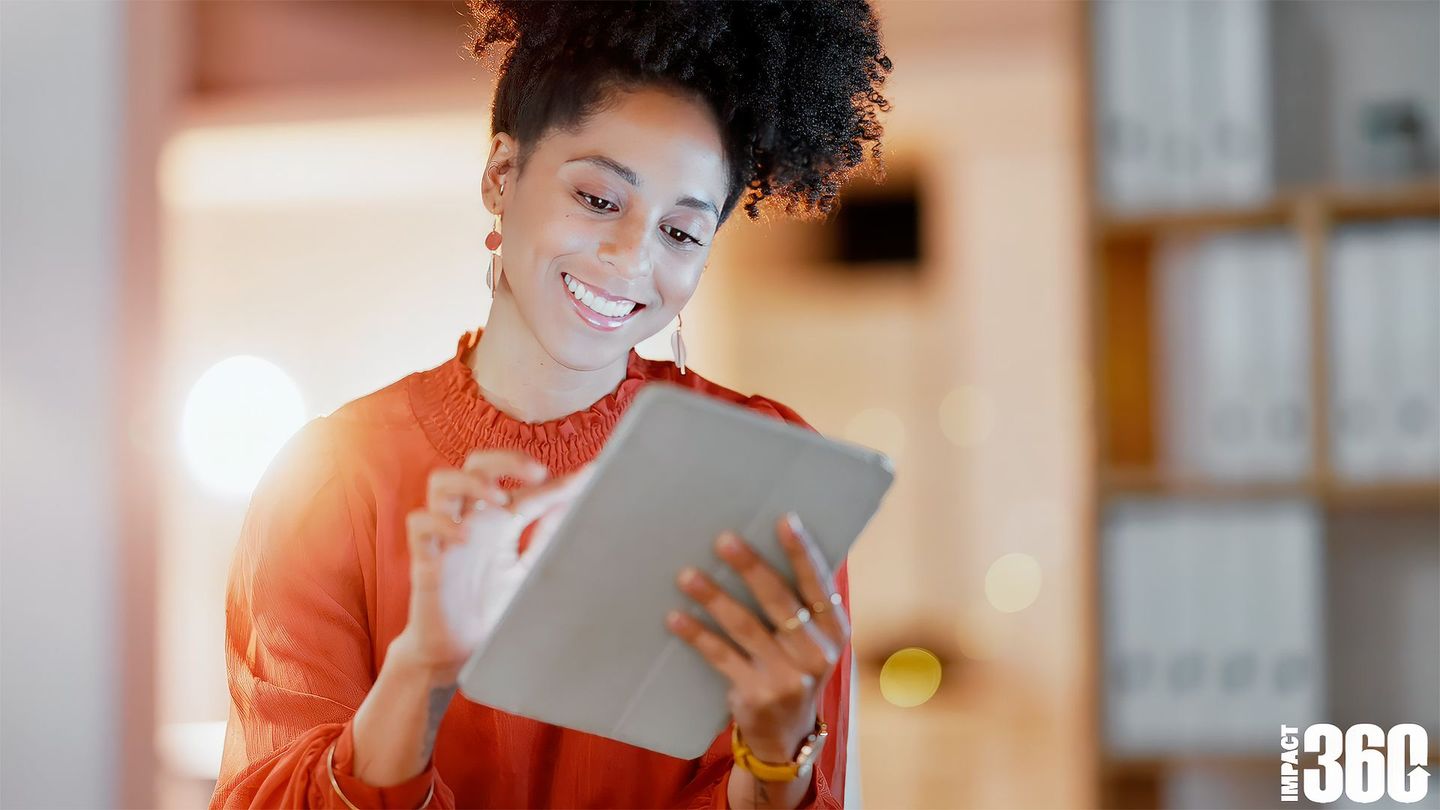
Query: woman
(624, 135)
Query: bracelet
(335, 785)
(799, 768)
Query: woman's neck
(522, 380)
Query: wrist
(403, 658)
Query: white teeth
(611, 309)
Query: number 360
(1373, 762)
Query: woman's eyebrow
(703, 205)
(628, 175)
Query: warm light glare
(237, 416)
(422, 157)
(878, 428)
(1013, 582)
(910, 677)
(967, 416)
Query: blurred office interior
(1146, 309)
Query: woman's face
(627, 207)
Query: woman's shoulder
(667, 371)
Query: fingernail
(689, 576)
(673, 619)
(729, 542)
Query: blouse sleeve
(827, 779)
(298, 651)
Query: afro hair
(796, 86)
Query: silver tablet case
(584, 643)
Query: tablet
(583, 644)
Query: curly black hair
(796, 86)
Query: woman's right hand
(464, 567)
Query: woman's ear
(499, 172)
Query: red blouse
(319, 586)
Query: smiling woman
(624, 136)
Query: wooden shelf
(1116, 483)
(1419, 198)
(1138, 766)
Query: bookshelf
(1128, 368)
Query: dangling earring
(492, 241)
(677, 345)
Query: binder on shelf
(1212, 624)
(1412, 402)
(1244, 130)
(1185, 118)
(1385, 329)
(1234, 337)
(1281, 355)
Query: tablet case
(584, 645)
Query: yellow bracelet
(335, 785)
(767, 772)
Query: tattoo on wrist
(438, 702)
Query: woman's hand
(464, 566)
(777, 676)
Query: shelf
(1156, 764)
(1420, 198)
(1389, 495)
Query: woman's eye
(679, 235)
(598, 203)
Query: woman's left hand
(776, 676)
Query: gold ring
(823, 605)
(801, 617)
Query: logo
(1375, 763)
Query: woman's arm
(395, 726)
(298, 651)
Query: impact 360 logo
(1363, 763)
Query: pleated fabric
(319, 587)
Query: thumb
(538, 500)
(552, 507)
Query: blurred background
(1146, 310)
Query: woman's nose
(624, 247)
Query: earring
(492, 242)
(677, 346)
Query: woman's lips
(604, 323)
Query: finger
(742, 625)
(807, 645)
(536, 501)
(428, 534)
(721, 654)
(492, 464)
(451, 492)
(813, 575)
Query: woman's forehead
(651, 139)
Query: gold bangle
(335, 785)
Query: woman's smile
(600, 311)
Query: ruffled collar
(447, 403)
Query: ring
(823, 605)
(801, 617)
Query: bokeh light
(910, 677)
(967, 415)
(1013, 582)
(237, 416)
